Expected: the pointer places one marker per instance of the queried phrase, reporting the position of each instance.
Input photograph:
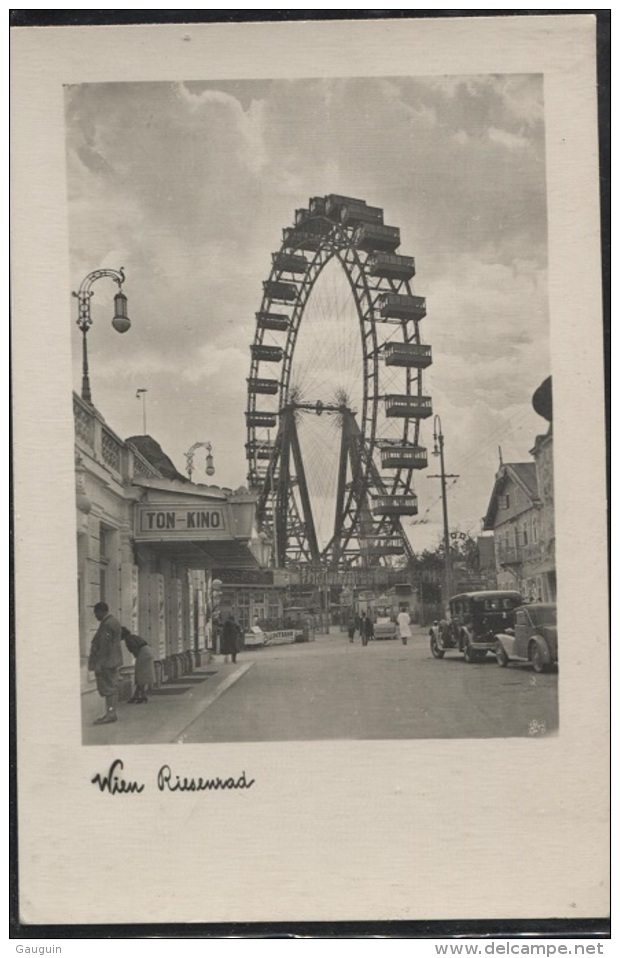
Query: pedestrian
(351, 629)
(105, 659)
(367, 629)
(404, 624)
(144, 672)
(231, 636)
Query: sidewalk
(168, 712)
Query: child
(145, 671)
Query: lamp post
(189, 458)
(438, 451)
(120, 321)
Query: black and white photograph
(310, 468)
(316, 471)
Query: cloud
(249, 123)
(188, 186)
(218, 367)
(510, 140)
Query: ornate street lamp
(189, 458)
(120, 322)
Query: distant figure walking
(351, 630)
(231, 638)
(144, 674)
(105, 659)
(367, 629)
(404, 625)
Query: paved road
(330, 689)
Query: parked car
(473, 621)
(534, 637)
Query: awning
(201, 555)
(198, 526)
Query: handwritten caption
(114, 783)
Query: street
(332, 689)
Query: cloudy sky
(188, 186)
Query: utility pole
(438, 451)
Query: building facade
(521, 516)
(256, 596)
(148, 540)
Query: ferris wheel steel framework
(287, 290)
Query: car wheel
(537, 656)
(436, 651)
(501, 655)
(469, 653)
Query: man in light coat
(105, 659)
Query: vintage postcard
(310, 504)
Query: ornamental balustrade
(96, 440)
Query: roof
(150, 449)
(526, 471)
(521, 473)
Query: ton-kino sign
(185, 523)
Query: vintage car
(474, 620)
(385, 627)
(533, 639)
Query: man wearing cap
(105, 659)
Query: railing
(271, 354)
(142, 468)
(395, 456)
(399, 505)
(414, 354)
(421, 406)
(95, 439)
(268, 387)
(84, 422)
(391, 259)
(111, 449)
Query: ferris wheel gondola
(337, 339)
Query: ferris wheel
(335, 391)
